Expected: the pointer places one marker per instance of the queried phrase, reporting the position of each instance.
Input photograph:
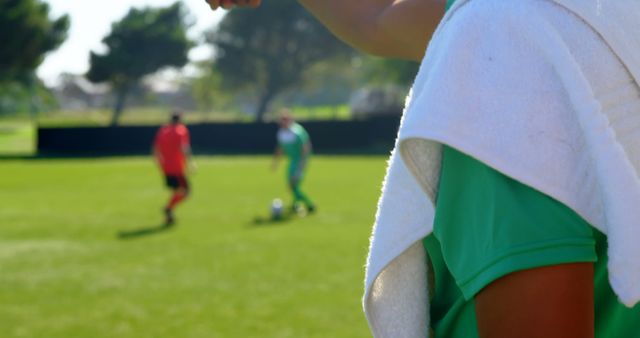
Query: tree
(26, 35)
(389, 71)
(33, 97)
(270, 48)
(207, 89)
(143, 42)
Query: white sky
(91, 21)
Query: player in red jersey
(172, 150)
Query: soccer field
(81, 254)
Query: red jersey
(169, 144)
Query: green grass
(341, 112)
(64, 271)
(153, 116)
(130, 117)
(17, 138)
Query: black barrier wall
(375, 135)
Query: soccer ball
(277, 209)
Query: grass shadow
(286, 217)
(18, 157)
(142, 232)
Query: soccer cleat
(311, 209)
(299, 209)
(295, 207)
(169, 219)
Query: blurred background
(84, 86)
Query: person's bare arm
(155, 152)
(188, 154)
(186, 150)
(277, 153)
(552, 302)
(306, 149)
(215, 4)
(391, 28)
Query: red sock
(175, 199)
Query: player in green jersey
(294, 142)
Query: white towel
(507, 82)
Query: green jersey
(449, 4)
(292, 141)
(488, 225)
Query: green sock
(298, 195)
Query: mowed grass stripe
(64, 272)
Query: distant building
(75, 92)
(161, 92)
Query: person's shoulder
(300, 130)
(282, 132)
(181, 129)
(163, 129)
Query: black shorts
(177, 181)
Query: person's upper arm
(278, 147)
(277, 151)
(553, 302)
(185, 138)
(306, 142)
(156, 141)
(391, 28)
